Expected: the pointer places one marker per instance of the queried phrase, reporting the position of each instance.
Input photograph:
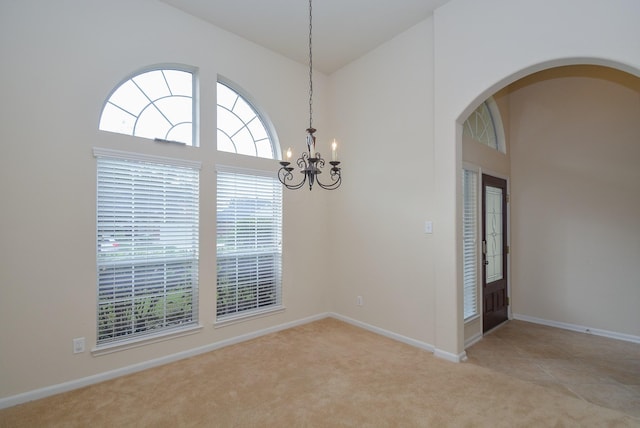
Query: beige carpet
(323, 374)
(596, 369)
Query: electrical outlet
(78, 345)
(359, 301)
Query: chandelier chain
(310, 68)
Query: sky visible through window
(240, 129)
(153, 104)
(158, 104)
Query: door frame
(473, 326)
(506, 258)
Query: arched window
(485, 126)
(156, 103)
(248, 215)
(241, 130)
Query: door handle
(486, 262)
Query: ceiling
(343, 30)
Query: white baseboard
(579, 328)
(450, 357)
(112, 374)
(404, 339)
(383, 332)
(473, 340)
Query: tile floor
(596, 369)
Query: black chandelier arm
(331, 186)
(336, 177)
(285, 176)
(311, 170)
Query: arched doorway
(573, 158)
(513, 46)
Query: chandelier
(311, 163)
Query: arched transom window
(156, 104)
(484, 125)
(241, 130)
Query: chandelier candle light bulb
(334, 150)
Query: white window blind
(249, 234)
(469, 246)
(147, 246)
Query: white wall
(481, 47)
(576, 198)
(60, 61)
(382, 111)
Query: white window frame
(260, 116)
(153, 104)
(236, 163)
(496, 117)
(274, 238)
(471, 278)
(177, 247)
(497, 128)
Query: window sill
(235, 319)
(471, 318)
(110, 348)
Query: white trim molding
(579, 328)
(459, 358)
(404, 339)
(383, 332)
(100, 152)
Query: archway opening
(572, 155)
